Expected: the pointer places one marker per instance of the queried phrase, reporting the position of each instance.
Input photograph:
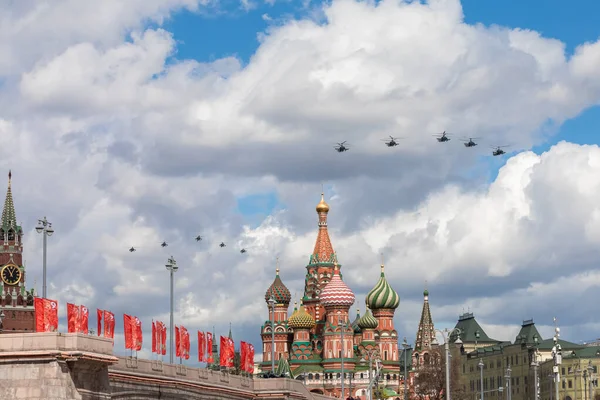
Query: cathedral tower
(383, 301)
(319, 270)
(16, 301)
(425, 335)
(279, 314)
(338, 335)
(301, 322)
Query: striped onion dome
(279, 291)
(368, 321)
(382, 296)
(301, 319)
(336, 292)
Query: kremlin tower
(318, 338)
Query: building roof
(528, 334)
(549, 343)
(471, 331)
(584, 352)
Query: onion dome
(322, 207)
(278, 290)
(354, 324)
(301, 319)
(368, 321)
(336, 292)
(382, 296)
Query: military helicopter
(442, 137)
(222, 244)
(163, 244)
(498, 150)
(132, 249)
(391, 142)
(198, 238)
(470, 142)
(341, 147)
(243, 251)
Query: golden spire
(322, 207)
(277, 266)
(382, 264)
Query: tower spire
(323, 251)
(426, 331)
(9, 218)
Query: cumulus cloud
(121, 144)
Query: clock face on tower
(11, 274)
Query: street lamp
(481, 365)
(272, 303)
(446, 333)
(172, 268)
(405, 346)
(535, 364)
(590, 369)
(507, 377)
(557, 356)
(341, 324)
(45, 228)
(371, 355)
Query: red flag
(163, 338)
(138, 334)
(72, 318)
(84, 317)
(243, 356)
(209, 345)
(154, 348)
(127, 331)
(250, 359)
(185, 339)
(99, 314)
(38, 304)
(201, 344)
(227, 352)
(46, 315)
(177, 342)
(109, 324)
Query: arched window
(310, 376)
(11, 235)
(316, 376)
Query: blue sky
(234, 32)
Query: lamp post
(590, 369)
(45, 228)
(272, 303)
(507, 377)
(371, 355)
(557, 356)
(446, 333)
(535, 364)
(341, 324)
(481, 365)
(405, 346)
(172, 267)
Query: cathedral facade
(318, 340)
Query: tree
(430, 379)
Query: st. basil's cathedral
(311, 337)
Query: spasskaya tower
(16, 303)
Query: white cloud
(120, 148)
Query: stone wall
(53, 366)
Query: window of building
(517, 381)
(511, 360)
(563, 370)
(570, 384)
(464, 368)
(563, 384)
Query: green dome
(278, 291)
(368, 321)
(354, 324)
(301, 320)
(426, 292)
(382, 296)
